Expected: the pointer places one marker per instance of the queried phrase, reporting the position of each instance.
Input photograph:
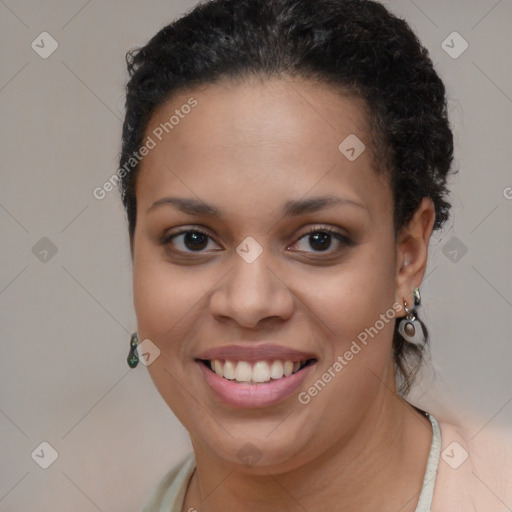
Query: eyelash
(342, 239)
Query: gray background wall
(66, 317)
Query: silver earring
(417, 297)
(410, 328)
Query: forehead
(275, 138)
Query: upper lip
(263, 351)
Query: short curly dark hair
(357, 46)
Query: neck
(381, 466)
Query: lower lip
(254, 395)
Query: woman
(283, 167)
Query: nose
(251, 293)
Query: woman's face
(249, 280)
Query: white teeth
(261, 371)
(243, 371)
(228, 372)
(276, 370)
(217, 367)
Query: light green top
(169, 495)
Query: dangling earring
(410, 328)
(133, 358)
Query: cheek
(169, 302)
(356, 304)
(156, 290)
(161, 305)
(356, 294)
(149, 295)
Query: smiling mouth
(258, 372)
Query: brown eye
(190, 240)
(320, 239)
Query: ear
(412, 252)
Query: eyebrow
(291, 208)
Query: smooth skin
(247, 148)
